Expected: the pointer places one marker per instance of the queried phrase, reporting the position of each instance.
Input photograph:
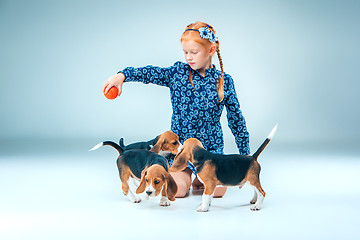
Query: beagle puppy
(155, 180)
(227, 170)
(152, 169)
(149, 166)
(164, 144)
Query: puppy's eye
(146, 180)
(175, 143)
(156, 182)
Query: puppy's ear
(171, 187)
(157, 147)
(142, 185)
(181, 160)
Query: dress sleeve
(236, 120)
(150, 74)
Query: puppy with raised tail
(227, 170)
(150, 167)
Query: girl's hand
(116, 80)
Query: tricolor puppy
(156, 179)
(164, 144)
(150, 167)
(227, 170)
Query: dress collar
(212, 71)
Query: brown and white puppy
(164, 144)
(167, 143)
(155, 180)
(135, 164)
(227, 170)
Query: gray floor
(59, 190)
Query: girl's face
(197, 55)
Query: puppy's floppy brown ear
(181, 160)
(171, 187)
(142, 185)
(157, 147)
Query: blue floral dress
(197, 112)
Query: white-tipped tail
(273, 131)
(97, 146)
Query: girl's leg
(218, 193)
(183, 182)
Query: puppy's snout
(148, 193)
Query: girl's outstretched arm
(149, 74)
(153, 74)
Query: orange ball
(112, 93)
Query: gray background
(295, 63)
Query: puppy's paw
(253, 201)
(203, 208)
(255, 208)
(164, 202)
(134, 199)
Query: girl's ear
(142, 185)
(212, 49)
(157, 147)
(181, 160)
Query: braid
(190, 78)
(220, 85)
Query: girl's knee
(183, 182)
(183, 190)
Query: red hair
(195, 36)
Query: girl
(198, 93)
